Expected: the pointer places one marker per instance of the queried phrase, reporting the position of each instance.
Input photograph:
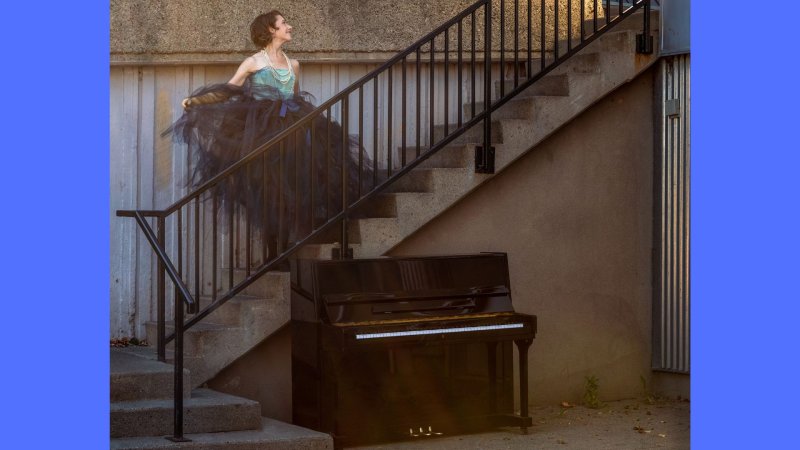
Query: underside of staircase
(379, 226)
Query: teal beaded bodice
(264, 77)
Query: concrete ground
(627, 424)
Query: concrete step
(472, 135)
(206, 411)
(270, 285)
(272, 434)
(197, 339)
(450, 156)
(137, 377)
(548, 85)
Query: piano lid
(410, 287)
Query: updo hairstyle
(259, 29)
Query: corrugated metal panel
(148, 171)
(672, 285)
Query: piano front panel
(383, 394)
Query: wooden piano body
(393, 348)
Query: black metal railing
(211, 247)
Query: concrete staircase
(141, 412)
(423, 194)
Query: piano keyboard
(439, 331)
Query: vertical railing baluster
(312, 172)
(230, 240)
(583, 13)
(389, 145)
(516, 43)
(177, 377)
(264, 207)
(343, 164)
(460, 101)
(327, 182)
(502, 47)
(214, 243)
(247, 255)
(569, 25)
(282, 172)
(446, 81)
(197, 248)
(472, 67)
(608, 12)
(431, 95)
(403, 116)
(297, 152)
(594, 17)
(162, 294)
(375, 132)
(487, 86)
(418, 88)
(360, 138)
(543, 35)
(530, 40)
(555, 31)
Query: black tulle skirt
(290, 188)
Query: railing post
(161, 333)
(177, 435)
(484, 155)
(644, 41)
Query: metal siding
(672, 305)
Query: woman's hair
(259, 29)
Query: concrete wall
(159, 31)
(575, 216)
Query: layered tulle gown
(290, 188)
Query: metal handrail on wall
(190, 221)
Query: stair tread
(200, 398)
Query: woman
(222, 123)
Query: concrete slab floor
(627, 424)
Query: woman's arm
(245, 69)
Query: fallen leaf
(566, 405)
(662, 435)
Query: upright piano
(392, 348)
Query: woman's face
(282, 30)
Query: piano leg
(492, 352)
(522, 347)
